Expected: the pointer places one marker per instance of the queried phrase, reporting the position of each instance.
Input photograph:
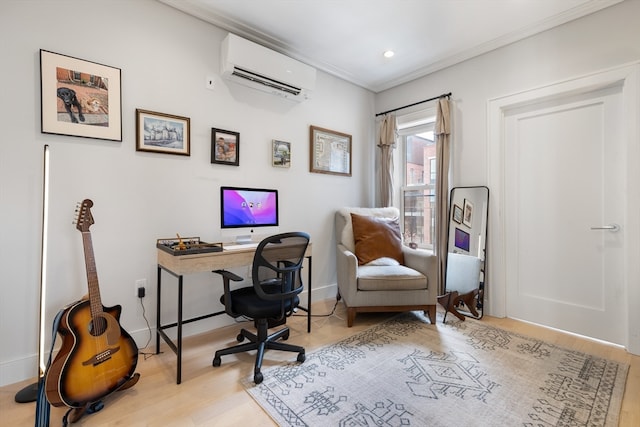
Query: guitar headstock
(84, 219)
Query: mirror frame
(468, 304)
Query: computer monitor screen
(248, 207)
(462, 240)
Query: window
(418, 178)
(432, 169)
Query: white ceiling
(347, 38)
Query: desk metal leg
(158, 320)
(179, 352)
(309, 299)
(307, 309)
(177, 349)
(175, 346)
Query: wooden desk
(181, 265)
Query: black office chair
(274, 295)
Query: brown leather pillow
(376, 238)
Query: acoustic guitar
(97, 356)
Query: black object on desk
(187, 246)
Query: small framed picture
(281, 154)
(457, 214)
(80, 98)
(330, 151)
(162, 133)
(225, 147)
(467, 216)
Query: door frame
(628, 77)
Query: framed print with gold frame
(162, 133)
(330, 151)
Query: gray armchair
(383, 284)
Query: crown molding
(210, 15)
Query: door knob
(612, 227)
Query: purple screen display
(462, 240)
(249, 208)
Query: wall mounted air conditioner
(249, 64)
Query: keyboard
(239, 247)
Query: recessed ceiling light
(388, 53)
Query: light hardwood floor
(214, 396)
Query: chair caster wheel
(285, 336)
(257, 377)
(301, 357)
(216, 361)
(240, 338)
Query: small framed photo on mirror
(468, 213)
(457, 214)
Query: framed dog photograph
(225, 147)
(162, 133)
(80, 98)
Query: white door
(564, 202)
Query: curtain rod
(448, 95)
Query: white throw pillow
(384, 261)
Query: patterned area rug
(406, 372)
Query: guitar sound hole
(97, 326)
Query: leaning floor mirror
(466, 254)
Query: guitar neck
(92, 275)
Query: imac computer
(462, 240)
(244, 209)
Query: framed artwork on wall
(280, 154)
(468, 213)
(225, 147)
(162, 133)
(330, 152)
(80, 98)
(457, 214)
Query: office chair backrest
(277, 264)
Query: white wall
(593, 43)
(164, 56)
(605, 39)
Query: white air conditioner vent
(250, 64)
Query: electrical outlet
(140, 283)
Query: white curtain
(386, 142)
(443, 140)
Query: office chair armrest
(227, 276)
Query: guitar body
(97, 356)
